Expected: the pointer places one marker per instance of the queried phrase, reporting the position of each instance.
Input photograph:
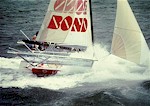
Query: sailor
(34, 46)
(34, 36)
(42, 45)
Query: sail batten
(128, 40)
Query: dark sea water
(110, 83)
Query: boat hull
(44, 72)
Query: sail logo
(68, 23)
(71, 6)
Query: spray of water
(108, 67)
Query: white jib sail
(68, 22)
(128, 40)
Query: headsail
(68, 22)
(128, 40)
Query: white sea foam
(108, 67)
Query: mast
(90, 5)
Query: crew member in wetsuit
(41, 45)
(34, 39)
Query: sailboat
(128, 40)
(67, 32)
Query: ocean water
(111, 81)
